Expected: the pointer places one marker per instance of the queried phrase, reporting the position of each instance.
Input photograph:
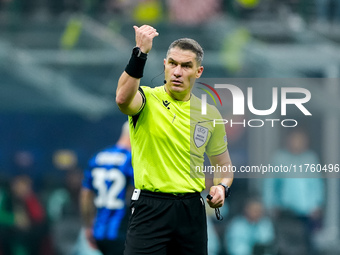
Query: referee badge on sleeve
(200, 135)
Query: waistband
(148, 193)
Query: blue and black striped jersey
(108, 174)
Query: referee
(168, 213)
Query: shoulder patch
(200, 135)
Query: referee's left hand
(217, 192)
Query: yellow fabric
(164, 151)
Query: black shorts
(167, 224)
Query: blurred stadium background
(61, 60)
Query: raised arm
(225, 177)
(127, 98)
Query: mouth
(177, 82)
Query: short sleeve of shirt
(87, 183)
(142, 90)
(88, 178)
(145, 92)
(218, 140)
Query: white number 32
(109, 184)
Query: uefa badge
(200, 135)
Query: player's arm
(128, 99)
(225, 177)
(87, 207)
(88, 211)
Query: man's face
(297, 142)
(181, 70)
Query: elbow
(123, 103)
(121, 100)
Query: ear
(164, 62)
(199, 71)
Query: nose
(178, 71)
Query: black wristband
(135, 67)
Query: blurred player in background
(251, 233)
(168, 212)
(291, 201)
(103, 194)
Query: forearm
(225, 175)
(225, 180)
(87, 207)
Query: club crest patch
(200, 135)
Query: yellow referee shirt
(169, 139)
